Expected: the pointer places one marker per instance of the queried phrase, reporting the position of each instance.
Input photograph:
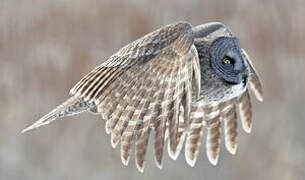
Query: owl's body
(177, 82)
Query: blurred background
(47, 46)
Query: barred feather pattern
(213, 139)
(213, 115)
(175, 36)
(162, 102)
(194, 135)
(229, 116)
(160, 125)
(139, 89)
(210, 118)
(245, 111)
(145, 95)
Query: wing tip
(260, 97)
(27, 129)
(172, 154)
(114, 142)
(140, 167)
(125, 161)
(213, 160)
(107, 130)
(68, 108)
(258, 92)
(37, 124)
(190, 161)
(246, 125)
(247, 129)
(232, 150)
(159, 164)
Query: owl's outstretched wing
(209, 118)
(142, 87)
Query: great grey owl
(179, 82)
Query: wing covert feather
(177, 37)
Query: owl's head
(227, 61)
(222, 61)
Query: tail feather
(70, 107)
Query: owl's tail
(70, 107)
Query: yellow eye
(226, 61)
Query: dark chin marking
(245, 80)
(231, 83)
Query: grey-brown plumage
(175, 83)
